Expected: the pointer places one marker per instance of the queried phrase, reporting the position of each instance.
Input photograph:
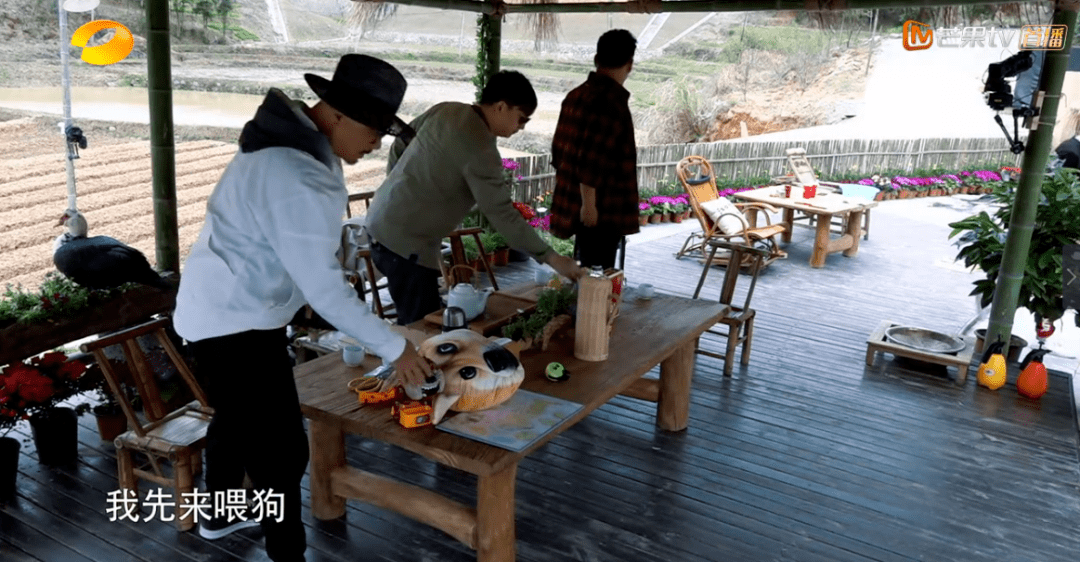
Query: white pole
(65, 82)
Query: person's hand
(566, 266)
(589, 215)
(411, 368)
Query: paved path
(915, 94)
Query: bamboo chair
(177, 437)
(696, 175)
(738, 320)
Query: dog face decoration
(477, 372)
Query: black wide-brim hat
(367, 90)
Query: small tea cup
(646, 290)
(353, 355)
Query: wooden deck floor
(804, 455)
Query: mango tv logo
(917, 36)
(117, 48)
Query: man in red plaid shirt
(595, 158)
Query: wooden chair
(739, 320)
(176, 437)
(457, 257)
(696, 175)
(368, 280)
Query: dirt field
(113, 186)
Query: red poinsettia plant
(35, 385)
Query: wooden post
(327, 453)
(676, 373)
(496, 539)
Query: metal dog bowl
(924, 340)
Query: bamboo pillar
(489, 49)
(162, 144)
(1018, 242)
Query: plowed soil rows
(114, 187)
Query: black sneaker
(216, 527)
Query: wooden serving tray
(501, 308)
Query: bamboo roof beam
(656, 6)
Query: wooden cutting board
(501, 308)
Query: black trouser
(596, 246)
(413, 287)
(257, 427)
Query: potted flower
(31, 390)
(662, 206)
(645, 211)
(1057, 223)
(510, 174)
(679, 207)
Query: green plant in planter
(1057, 223)
(56, 297)
(561, 247)
(472, 251)
(550, 303)
(492, 240)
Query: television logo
(917, 36)
(1043, 37)
(114, 51)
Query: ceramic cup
(353, 355)
(646, 290)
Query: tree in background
(179, 7)
(205, 9)
(224, 8)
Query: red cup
(787, 191)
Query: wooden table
(661, 331)
(823, 207)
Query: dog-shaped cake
(474, 372)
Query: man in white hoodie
(266, 249)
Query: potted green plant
(1057, 223)
(495, 243)
(110, 418)
(553, 309)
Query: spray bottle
(1032, 381)
(992, 371)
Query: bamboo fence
(740, 159)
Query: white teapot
(470, 300)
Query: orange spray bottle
(992, 372)
(1032, 381)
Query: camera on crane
(999, 94)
